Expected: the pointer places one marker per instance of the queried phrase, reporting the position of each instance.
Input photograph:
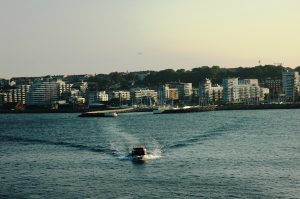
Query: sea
(217, 154)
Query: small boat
(138, 153)
(158, 110)
(110, 114)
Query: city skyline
(72, 37)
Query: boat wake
(77, 146)
(146, 157)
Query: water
(224, 154)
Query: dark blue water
(225, 154)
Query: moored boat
(158, 110)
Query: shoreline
(257, 106)
(217, 108)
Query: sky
(52, 37)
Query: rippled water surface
(222, 154)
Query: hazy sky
(40, 37)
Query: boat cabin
(138, 151)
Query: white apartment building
(209, 93)
(245, 91)
(122, 95)
(137, 95)
(17, 95)
(230, 90)
(43, 93)
(290, 85)
(97, 97)
(103, 96)
(64, 87)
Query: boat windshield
(138, 151)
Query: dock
(104, 112)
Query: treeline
(215, 73)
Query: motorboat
(158, 110)
(138, 153)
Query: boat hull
(138, 158)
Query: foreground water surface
(221, 154)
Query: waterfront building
(290, 85)
(166, 94)
(74, 96)
(122, 95)
(103, 96)
(16, 95)
(274, 86)
(43, 93)
(63, 87)
(264, 93)
(252, 82)
(209, 93)
(97, 97)
(230, 90)
(248, 91)
(185, 90)
(143, 96)
(173, 94)
(245, 91)
(175, 91)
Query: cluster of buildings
(53, 92)
(251, 91)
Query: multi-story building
(43, 93)
(175, 91)
(63, 87)
(290, 85)
(252, 82)
(16, 95)
(122, 95)
(274, 86)
(249, 91)
(167, 93)
(97, 97)
(185, 90)
(119, 98)
(230, 90)
(209, 93)
(245, 91)
(139, 96)
(173, 94)
(103, 96)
